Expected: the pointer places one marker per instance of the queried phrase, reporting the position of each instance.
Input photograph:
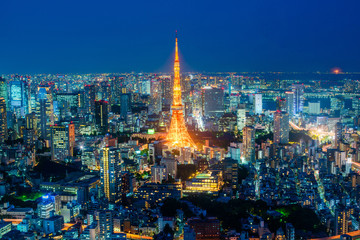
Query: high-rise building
(342, 220)
(213, 101)
(62, 141)
(155, 96)
(241, 117)
(249, 143)
(101, 115)
(356, 105)
(31, 122)
(104, 92)
(146, 87)
(314, 108)
(178, 135)
(125, 103)
(258, 106)
(281, 127)
(106, 224)
(281, 104)
(68, 103)
(167, 94)
(4, 91)
(298, 90)
(117, 85)
(45, 111)
(90, 97)
(3, 120)
(19, 97)
(110, 168)
(290, 103)
(338, 134)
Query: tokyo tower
(178, 135)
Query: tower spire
(178, 135)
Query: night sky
(75, 36)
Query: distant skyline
(214, 36)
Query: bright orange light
(178, 135)
(336, 70)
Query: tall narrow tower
(178, 135)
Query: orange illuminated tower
(178, 135)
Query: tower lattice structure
(178, 135)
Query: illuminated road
(321, 191)
(294, 126)
(135, 236)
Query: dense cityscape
(180, 155)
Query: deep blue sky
(76, 36)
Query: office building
(314, 108)
(249, 143)
(101, 115)
(89, 98)
(62, 141)
(53, 224)
(281, 104)
(19, 97)
(241, 117)
(155, 105)
(213, 101)
(258, 106)
(281, 127)
(167, 90)
(4, 91)
(338, 134)
(3, 121)
(158, 174)
(110, 168)
(298, 90)
(46, 207)
(155, 193)
(125, 103)
(45, 111)
(289, 96)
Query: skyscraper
(249, 143)
(90, 97)
(178, 135)
(101, 115)
(281, 127)
(110, 167)
(45, 111)
(19, 97)
(116, 86)
(338, 134)
(167, 94)
(62, 141)
(106, 224)
(281, 104)
(298, 90)
(4, 91)
(290, 103)
(125, 103)
(241, 117)
(31, 122)
(3, 120)
(155, 96)
(213, 101)
(258, 103)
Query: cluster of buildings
(118, 146)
